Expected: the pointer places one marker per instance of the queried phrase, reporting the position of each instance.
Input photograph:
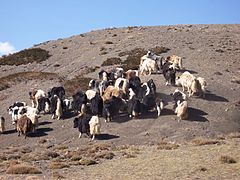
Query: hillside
(209, 51)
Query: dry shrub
(14, 156)
(105, 155)
(112, 61)
(102, 48)
(78, 83)
(26, 150)
(42, 141)
(22, 169)
(134, 56)
(87, 162)
(76, 157)
(28, 157)
(58, 165)
(56, 175)
(60, 147)
(7, 81)
(167, 145)
(25, 56)
(51, 154)
(159, 49)
(103, 53)
(234, 135)
(3, 157)
(108, 42)
(128, 155)
(227, 160)
(65, 47)
(202, 141)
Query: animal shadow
(196, 115)
(9, 131)
(121, 118)
(44, 123)
(106, 136)
(68, 115)
(214, 97)
(40, 132)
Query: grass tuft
(58, 165)
(87, 162)
(23, 169)
(227, 160)
(167, 145)
(202, 142)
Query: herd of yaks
(114, 92)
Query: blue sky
(28, 22)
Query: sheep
(2, 125)
(112, 91)
(31, 113)
(203, 86)
(95, 126)
(24, 126)
(131, 73)
(90, 94)
(149, 66)
(122, 83)
(182, 110)
(176, 61)
(35, 95)
(56, 107)
(82, 123)
(79, 103)
(185, 80)
(178, 96)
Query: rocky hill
(209, 51)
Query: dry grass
(227, 160)
(105, 155)
(7, 81)
(76, 157)
(22, 169)
(112, 61)
(58, 165)
(28, 157)
(202, 142)
(87, 162)
(56, 175)
(167, 145)
(234, 135)
(25, 56)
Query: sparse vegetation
(203, 141)
(112, 61)
(7, 81)
(23, 169)
(76, 84)
(25, 56)
(105, 155)
(57, 175)
(133, 57)
(167, 145)
(58, 165)
(227, 159)
(87, 162)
